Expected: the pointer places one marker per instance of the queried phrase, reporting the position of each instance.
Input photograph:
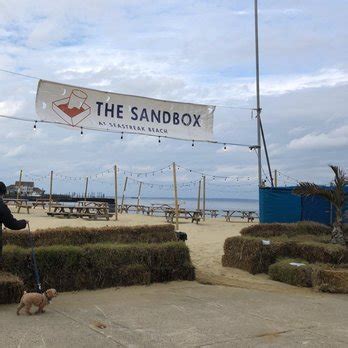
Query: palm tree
(335, 196)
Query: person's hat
(3, 188)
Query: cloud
(15, 152)
(335, 138)
(169, 50)
(10, 107)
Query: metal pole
(275, 178)
(199, 196)
(176, 198)
(20, 183)
(51, 189)
(266, 153)
(258, 107)
(116, 204)
(124, 191)
(204, 198)
(86, 189)
(140, 184)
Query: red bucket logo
(72, 110)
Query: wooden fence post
(176, 198)
(116, 204)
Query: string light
(193, 143)
(225, 148)
(121, 135)
(81, 132)
(35, 125)
(159, 140)
(168, 167)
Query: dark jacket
(9, 221)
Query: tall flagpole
(258, 104)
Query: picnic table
(90, 211)
(212, 212)
(42, 202)
(126, 208)
(93, 204)
(19, 204)
(156, 208)
(243, 214)
(195, 215)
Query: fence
(281, 205)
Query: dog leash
(33, 257)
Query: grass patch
(95, 266)
(11, 288)
(284, 272)
(84, 235)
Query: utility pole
(258, 104)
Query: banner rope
(35, 122)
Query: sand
(205, 241)
(247, 311)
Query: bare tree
(335, 196)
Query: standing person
(7, 218)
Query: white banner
(89, 108)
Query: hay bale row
(323, 277)
(290, 230)
(95, 266)
(333, 279)
(11, 288)
(250, 254)
(90, 235)
(284, 271)
(313, 252)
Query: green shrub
(278, 229)
(90, 235)
(11, 288)
(331, 279)
(95, 266)
(284, 272)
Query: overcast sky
(197, 51)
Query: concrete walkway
(181, 314)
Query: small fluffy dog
(39, 300)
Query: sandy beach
(205, 241)
(225, 307)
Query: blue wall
(280, 205)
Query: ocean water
(191, 203)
